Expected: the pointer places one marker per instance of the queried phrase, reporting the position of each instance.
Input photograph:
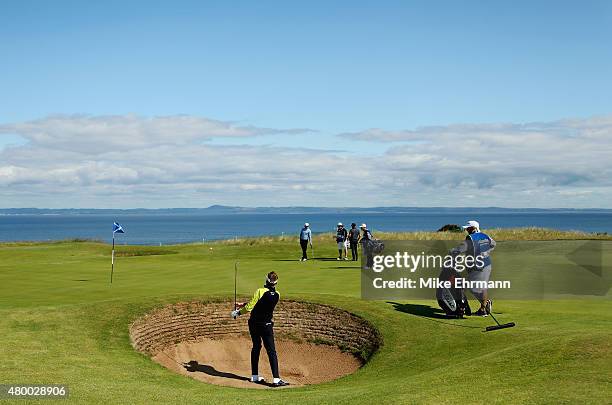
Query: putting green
(62, 323)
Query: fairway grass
(63, 323)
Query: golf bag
(452, 300)
(376, 246)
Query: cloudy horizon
(128, 161)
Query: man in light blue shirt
(305, 239)
(478, 244)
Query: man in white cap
(305, 239)
(476, 244)
(341, 238)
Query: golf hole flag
(116, 229)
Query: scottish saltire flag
(117, 228)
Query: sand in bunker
(227, 362)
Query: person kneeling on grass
(478, 244)
(261, 327)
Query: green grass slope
(62, 322)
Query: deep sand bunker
(315, 343)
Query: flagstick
(113, 258)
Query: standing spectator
(354, 241)
(366, 243)
(341, 237)
(305, 239)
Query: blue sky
(333, 67)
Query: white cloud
(84, 160)
(99, 134)
(592, 128)
(505, 158)
(130, 161)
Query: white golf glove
(235, 313)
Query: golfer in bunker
(261, 327)
(478, 244)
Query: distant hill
(225, 209)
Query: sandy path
(227, 362)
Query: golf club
(498, 326)
(235, 282)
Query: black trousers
(263, 332)
(354, 250)
(304, 245)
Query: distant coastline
(224, 209)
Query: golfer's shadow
(419, 310)
(194, 366)
(428, 312)
(317, 259)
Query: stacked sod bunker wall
(311, 323)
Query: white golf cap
(306, 224)
(340, 224)
(472, 224)
(363, 226)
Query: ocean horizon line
(220, 209)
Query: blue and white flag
(117, 228)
